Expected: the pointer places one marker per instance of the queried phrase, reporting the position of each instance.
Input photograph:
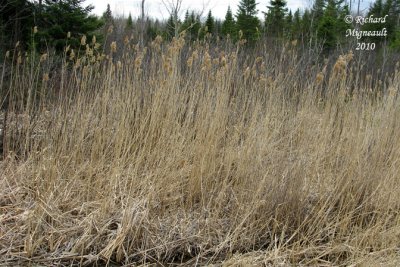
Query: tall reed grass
(193, 155)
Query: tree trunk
(142, 22)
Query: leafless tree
(142, 22)
(173, 7)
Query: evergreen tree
(326, 28)
(170, 28)
(331, 28)
(173, 27)
(191, 25)
(395, 44)
(186, 22)
(195, 25)
(306, 24)
(208, 27)
(229, 24)
(247, 21)
(129, 23)
(210, 23)
(108, 24)
(153, 29)
(296, 25)
(16, 23)
(288, 24)
(59, 18)
(392, 9)
(107, 15)
(341, 25)
(380, 9)
(376, 9)
(217, 27)
(275, 18)
(317, 12)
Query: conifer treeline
(322, 24)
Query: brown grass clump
(160, 156)
(342, 63)
(319, 78)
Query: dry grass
(200, 160)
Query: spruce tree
(108, 26)
(108, 20)
(107, 15)
(170, 28)
(152, 29)
(59, 18)
(247, 20)
(341, 25)
(196, 25)
(317, 12)
(210, 23)
(229, 24)
(296, 25)
(305, 24)
(288, 24)
(186, 22)
(326, 27)
(379, 10)
(129, 23)
(395, 43)
(16, 23)
(392, 9)
(275, 18)
(217, 28)
(331, 28)
(191, 24)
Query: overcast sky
(155, 8)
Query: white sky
(156, 9)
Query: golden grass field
(198, 160)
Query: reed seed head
(43, 57)
(190, 62)
(392, 91)
(113, 47)
(110, 29)
(126, 40)
(223, 61)
(247, 73)
(89, 52)
(340, 65)
(349, 56)
(83, 40)
(206, 61)
(72, 54)
(319, 78)
(158, 39)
